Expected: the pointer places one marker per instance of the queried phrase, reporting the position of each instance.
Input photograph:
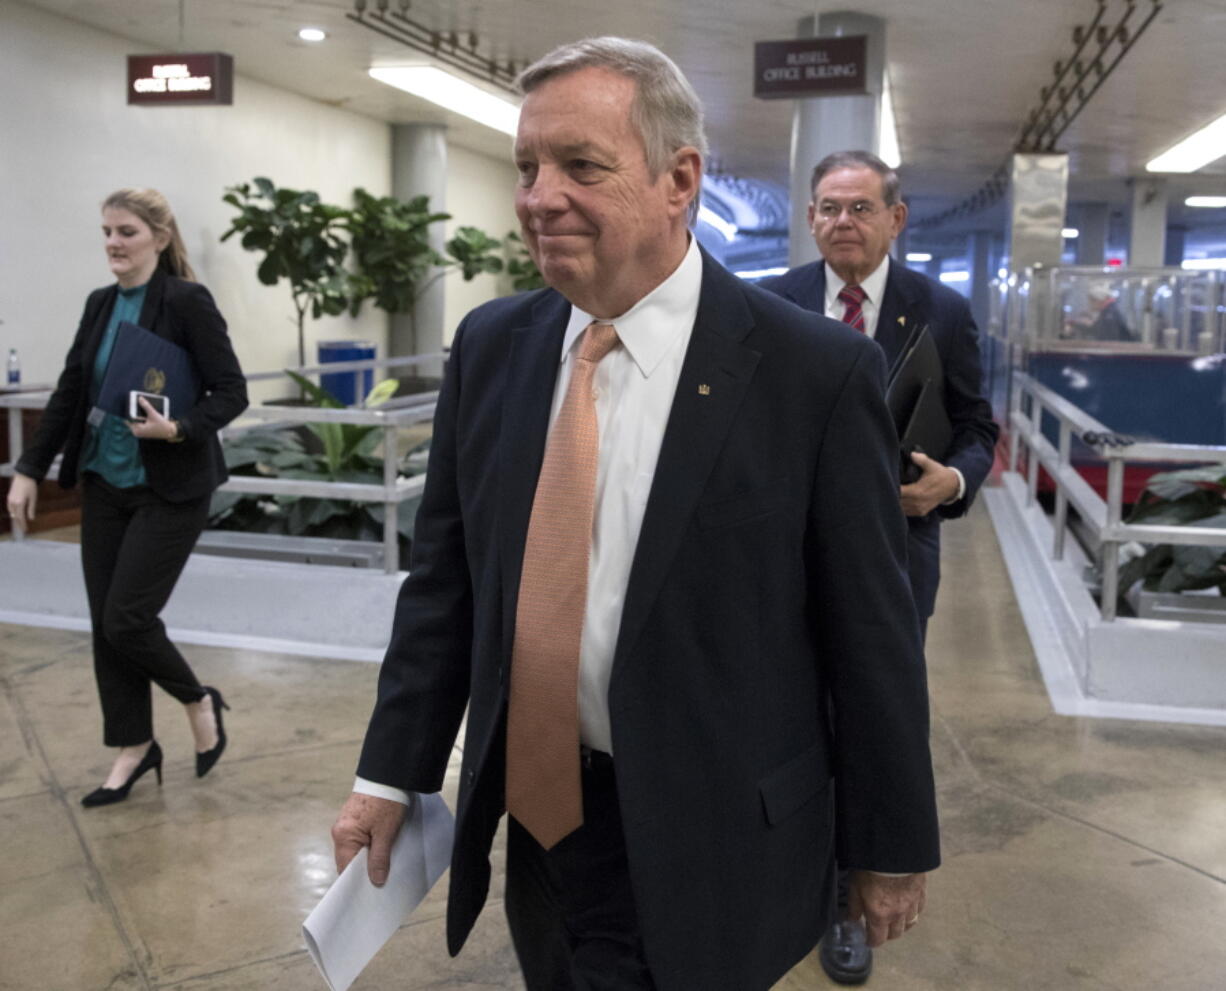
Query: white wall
(68, 138)
(480, 193)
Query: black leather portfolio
(915, 395)
(144, 362)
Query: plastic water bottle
(14, 368)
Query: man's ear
(899, 211)
(685, 176)
(812, 216)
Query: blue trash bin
(343, 384)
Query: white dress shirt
(634, 387)
(874, 292)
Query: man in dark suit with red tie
(855, 214)
(660, 561)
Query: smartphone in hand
(158, 402)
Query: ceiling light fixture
(919, 256)
(312, 34)
(1193, 152)
(1206, 202)
(452, 93)
(1068, 233)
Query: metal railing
(1104, 517)
(389, 417)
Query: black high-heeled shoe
(108, 796)
(206, 760)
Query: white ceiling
(964, 73)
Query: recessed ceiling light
(1209, 202)
(452, 93)
(1070, 232)
(312, 34)
(1193, 152)
(919, 256)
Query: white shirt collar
(873, 286)
(651, 326)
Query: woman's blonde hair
(153, 208)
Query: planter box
(1181, 607)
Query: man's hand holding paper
(367, 821)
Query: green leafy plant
(473, 251)
(391, 245)
(302, 240)
(1191, 496)
(395, 263)
(338, 452)
(520, 266)
(307, 242)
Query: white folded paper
(354, 918)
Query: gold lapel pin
(902, 321)
(704, 389)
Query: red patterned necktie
(852, 297)
(544, 792)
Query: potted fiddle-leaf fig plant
(303, 241)
(395, 263)
(520, 266)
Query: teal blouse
(110, 449)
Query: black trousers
(134, 545)
(570, 908)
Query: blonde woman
(146, 484)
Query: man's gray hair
(666, 111)
(890, 186)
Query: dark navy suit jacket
(182, 312)
(911, 299)
(761, 655)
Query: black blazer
(768, 646)
(911, 299)
(182, 312)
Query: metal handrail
(1103, 516)
(389, 417)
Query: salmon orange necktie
(543, 780)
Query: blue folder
(145, 362)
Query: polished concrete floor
(1078, 854)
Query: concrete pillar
(419, 168)
(821, 125)
(1091, 221)
(1147, 224)
(979, 254)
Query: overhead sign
(192, 80)
(810, 67)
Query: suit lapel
(715, 374)
(897, 318)
(810, 293)
(89, 353)
(152, 305)
(531, 374)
